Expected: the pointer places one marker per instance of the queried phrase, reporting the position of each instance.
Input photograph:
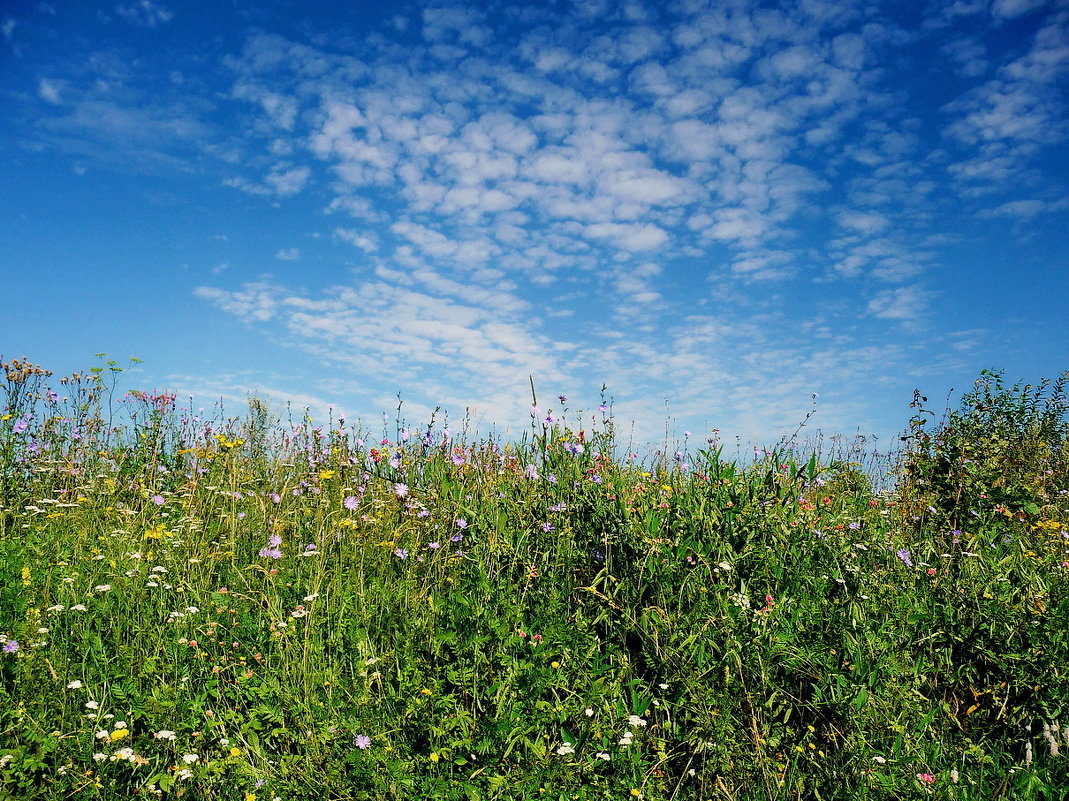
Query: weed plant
(209, 608)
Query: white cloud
(904, 303)
(48, 91)
(144, 12)
(1007, 9)
(288, 254)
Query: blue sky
(714, 209)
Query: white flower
(78, 608)
(102, 735)
(120, 724)
(92, 705)
(165, 734)
(100, 757)
(566, 749)
(56, 608)
(879, 759)
(603, 755)
(74, 685)
(189, 759)
(224, 741)
(159, 569)
(626, 739)
(635, 720)
(101, 588)
(588, 712)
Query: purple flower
(574, 448)
(458, 459)
(362, 741)
(456, 538)
(547, 527)
(157, 499)
(275, 497)
(531, 471)
(596, 478)
(603, 408)
(11, 646)
(400, 490)
(855, 525)
(310, 546)
(351, 502)
(903, 554)
(274, 540)
(270, 553)
(434, 546)
(562, 399)
(401, 553)
(462, 523)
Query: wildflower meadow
(267, 606)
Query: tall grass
(204, 607)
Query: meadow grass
(201, 607)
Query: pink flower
(926, 778)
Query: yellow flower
(435, 757)
(250, 796)
(235, 751)
(325, 474)
(118, 734)
(554, 664)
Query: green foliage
(219, 608)
(1003, 447)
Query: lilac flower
(458, 459)
(462, 523)
(547, 527)
(535, 411)
(395, 462)
(596, 478)
(603, 408)
(552, 478)
(19, 427)
(401, 553)
(275, 497)
(351, 502)
(363, 741)
(456, 538)
(11, 646)
(157, 499)
(903, 554)
(855, 525)
(434, 546)
(310, 547)
(400, 490)
(558, 507)
(574, 448)
(270, 553)
(274, 540)
(531, 471)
